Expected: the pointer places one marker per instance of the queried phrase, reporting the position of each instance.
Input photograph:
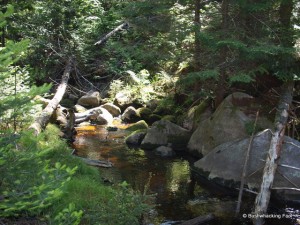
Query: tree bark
(221, 87)
(197, 24)
(263, 197)
(42, 120)
(103, 39)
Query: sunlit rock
(130, 115)
(91, 99)
(104, 117)
(79, 108)
(113, 109)
(138, 126)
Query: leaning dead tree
(263, 197)
(42, 120)
(103, 39)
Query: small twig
(285, 177)
(245, 167)
(285, 188)
(291, 143)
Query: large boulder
(164, 132)
(113, 109)
(231, 121)
(130, 115)
(91, 99)
(224, 164)
(197, 114)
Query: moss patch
(138, 126)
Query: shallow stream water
(179, 197)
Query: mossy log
(42, 120)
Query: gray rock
(229, 122)
(91, 99)
(224, 164)
(136, 137)
(113, 109)
(130, 115)
(104, 117)
(164, 151)
(123, 99)
(163, 132)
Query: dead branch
(263, 197)
(42, 120)
(103, 39)
(237, 211)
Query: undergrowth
(40, 179)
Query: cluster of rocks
(91, 107)
(221, 140)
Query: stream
(178, 197)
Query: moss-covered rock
(153, 118)
(170, 118)
(136, 137)
(144, 113)
(138, 126)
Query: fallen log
(95, 162)
(263, 197)
(199, 220)
(42, 120)
(103, 39)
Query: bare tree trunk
(263, 197)
(222, 83)
(103, 39)
(197, 24)
(42, 120)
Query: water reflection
(178, 196)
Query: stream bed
(178, 197)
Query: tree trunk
(103, 39)
(221, 87)
(197, 24)
(263, 197)
(42, 120)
